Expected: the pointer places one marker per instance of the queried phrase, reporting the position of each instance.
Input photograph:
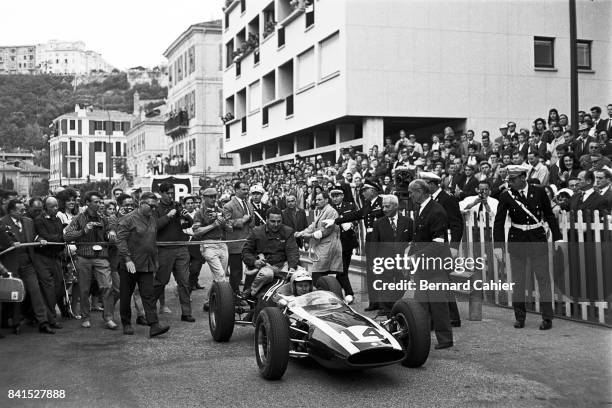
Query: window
(99, 147)
(99, 125)
(100, 167)
(583, 52)
(179, 69)
(544, 52)
(229, 53)
(254, 96)
(329, 55)
(117, 148)
(72, 124)
(72, 148)
(191, 58)
(306, 69)
(72, 170)
(310, 13)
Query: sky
(127, 33)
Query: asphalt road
(492, 365)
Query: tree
(40, 188)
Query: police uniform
(348, 239)
(369, 213)
(528, 209)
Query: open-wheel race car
(321, 326)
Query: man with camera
(172, 219)
(482, 202)
(92, 259)
(213, 223)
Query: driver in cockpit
(300, 284)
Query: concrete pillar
(373, 132)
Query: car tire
(272, 343)
(330, 284)
(221, 311)
(416, 339)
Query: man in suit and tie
(20, 230)
(241, 222)
(528, 207)
(580, 146)
(469, 184)
(455, 227)
(587, 200)
(295, 218)
(390, 237)
(430, 243)
(603, 182)
(598, 122)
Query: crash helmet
(300, 275)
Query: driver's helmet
(300, 275)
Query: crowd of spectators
(570, 165)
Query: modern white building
(311, 76)
(87, 145)
(194, 100)
(69, 57)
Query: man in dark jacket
(348, 239)
(19, 230)
(269, 247)
(430, 243)
(295, 218)
(172, 219)
(528, 207)
(47, 260)
(455, 226)
(138, 254)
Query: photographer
(172, 219)
(92, 260)
(213, 223)
(481, 202)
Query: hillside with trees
(29, 103)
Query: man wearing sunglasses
(137, 245)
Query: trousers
(98, 268)
(145, 287)
(539, 266)
(175, 261)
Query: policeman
(348, 239)
(528, 207)
(370, 212)
(259, 208)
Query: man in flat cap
(528, 207)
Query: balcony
(177, 124)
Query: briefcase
(11, 289)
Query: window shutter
(64, 126)
(92, 127)
(80, 127)
(92, 159)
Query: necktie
(392, 221)
(523, 195)
(530, 173)
(19, 225)
(480, 207)
(245, 207)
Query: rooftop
(213, 25)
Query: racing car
(321, 326)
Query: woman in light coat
(324, 242)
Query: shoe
(455, 323)
(46, 329)
(157, 330)
(546, 324)
(197, 286)
(110, 325)
(206, 306)
(128, 329)
(443, 346)
(97, 309)
(349, 299)
(86, 324)
(371, 307)
(56, 325)
(165, 310)
(78, 317)
(519, 324)
(141, 321)
(187, 318)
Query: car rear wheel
(221, 311)
(272, 343)
(331, 284)
(412, 323)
